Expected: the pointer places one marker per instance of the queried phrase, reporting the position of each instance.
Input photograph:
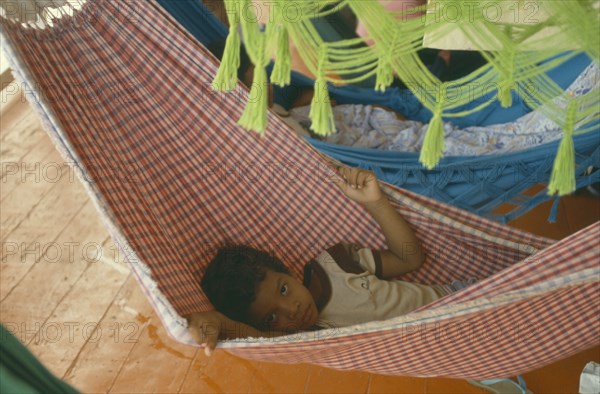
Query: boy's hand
(359, 185)
(205, 328)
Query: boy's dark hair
(232, 278)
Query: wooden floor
(67, 295)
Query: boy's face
(283, 304)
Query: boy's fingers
(340, 183)
(196, 334)
(362, 179)
(210, 344)
(354, 177)
(208, 350)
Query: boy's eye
(270, 319)
(283, 290)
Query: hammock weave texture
(175, 178)
(478, 184)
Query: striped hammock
(126, 95)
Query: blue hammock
(479, 184)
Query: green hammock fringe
(433, 143)
(507, 85)
(255, 114)
(520, 48)
(505, 94)
(562, 180)
(281, 74)
(321, 114)
(226, 78)
(385, 71)
(385, 74)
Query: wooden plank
(19, 109)
(536, 221)
(49, 169)
(57, 270)
(214, 374)
(581, 211)
(98, 363)
(328, 380)
(25, 233)
(145, 372)
(78, 315)
(48, 199)
(562, 376)
(281, 378)
(382, 384)
(18, 138)
(11, 96)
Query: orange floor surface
(67, 295)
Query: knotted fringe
(505, 95)
(385, 72)
(255, 114)
(321, 114)
(508, 82)
(562, 179)
(281, 74)
(226, 78)
(433, 143)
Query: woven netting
(521, 41)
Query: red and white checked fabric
(126, 95)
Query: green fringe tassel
(385, 74)
(226, 78)
(508, 82)
(321, 115)
(255, 114)
(505, 94)
(281, 74)
(433, 144)
(562, 179)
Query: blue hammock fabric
(479, 184)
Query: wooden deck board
(83, 308)
(26, 234)
(156, 364)
(17, 138)
(52, 276)
(15, 174)
(99, 362)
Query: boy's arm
(208, 327)
(405, 252)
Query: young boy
(255, 295)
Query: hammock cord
(513, 37)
